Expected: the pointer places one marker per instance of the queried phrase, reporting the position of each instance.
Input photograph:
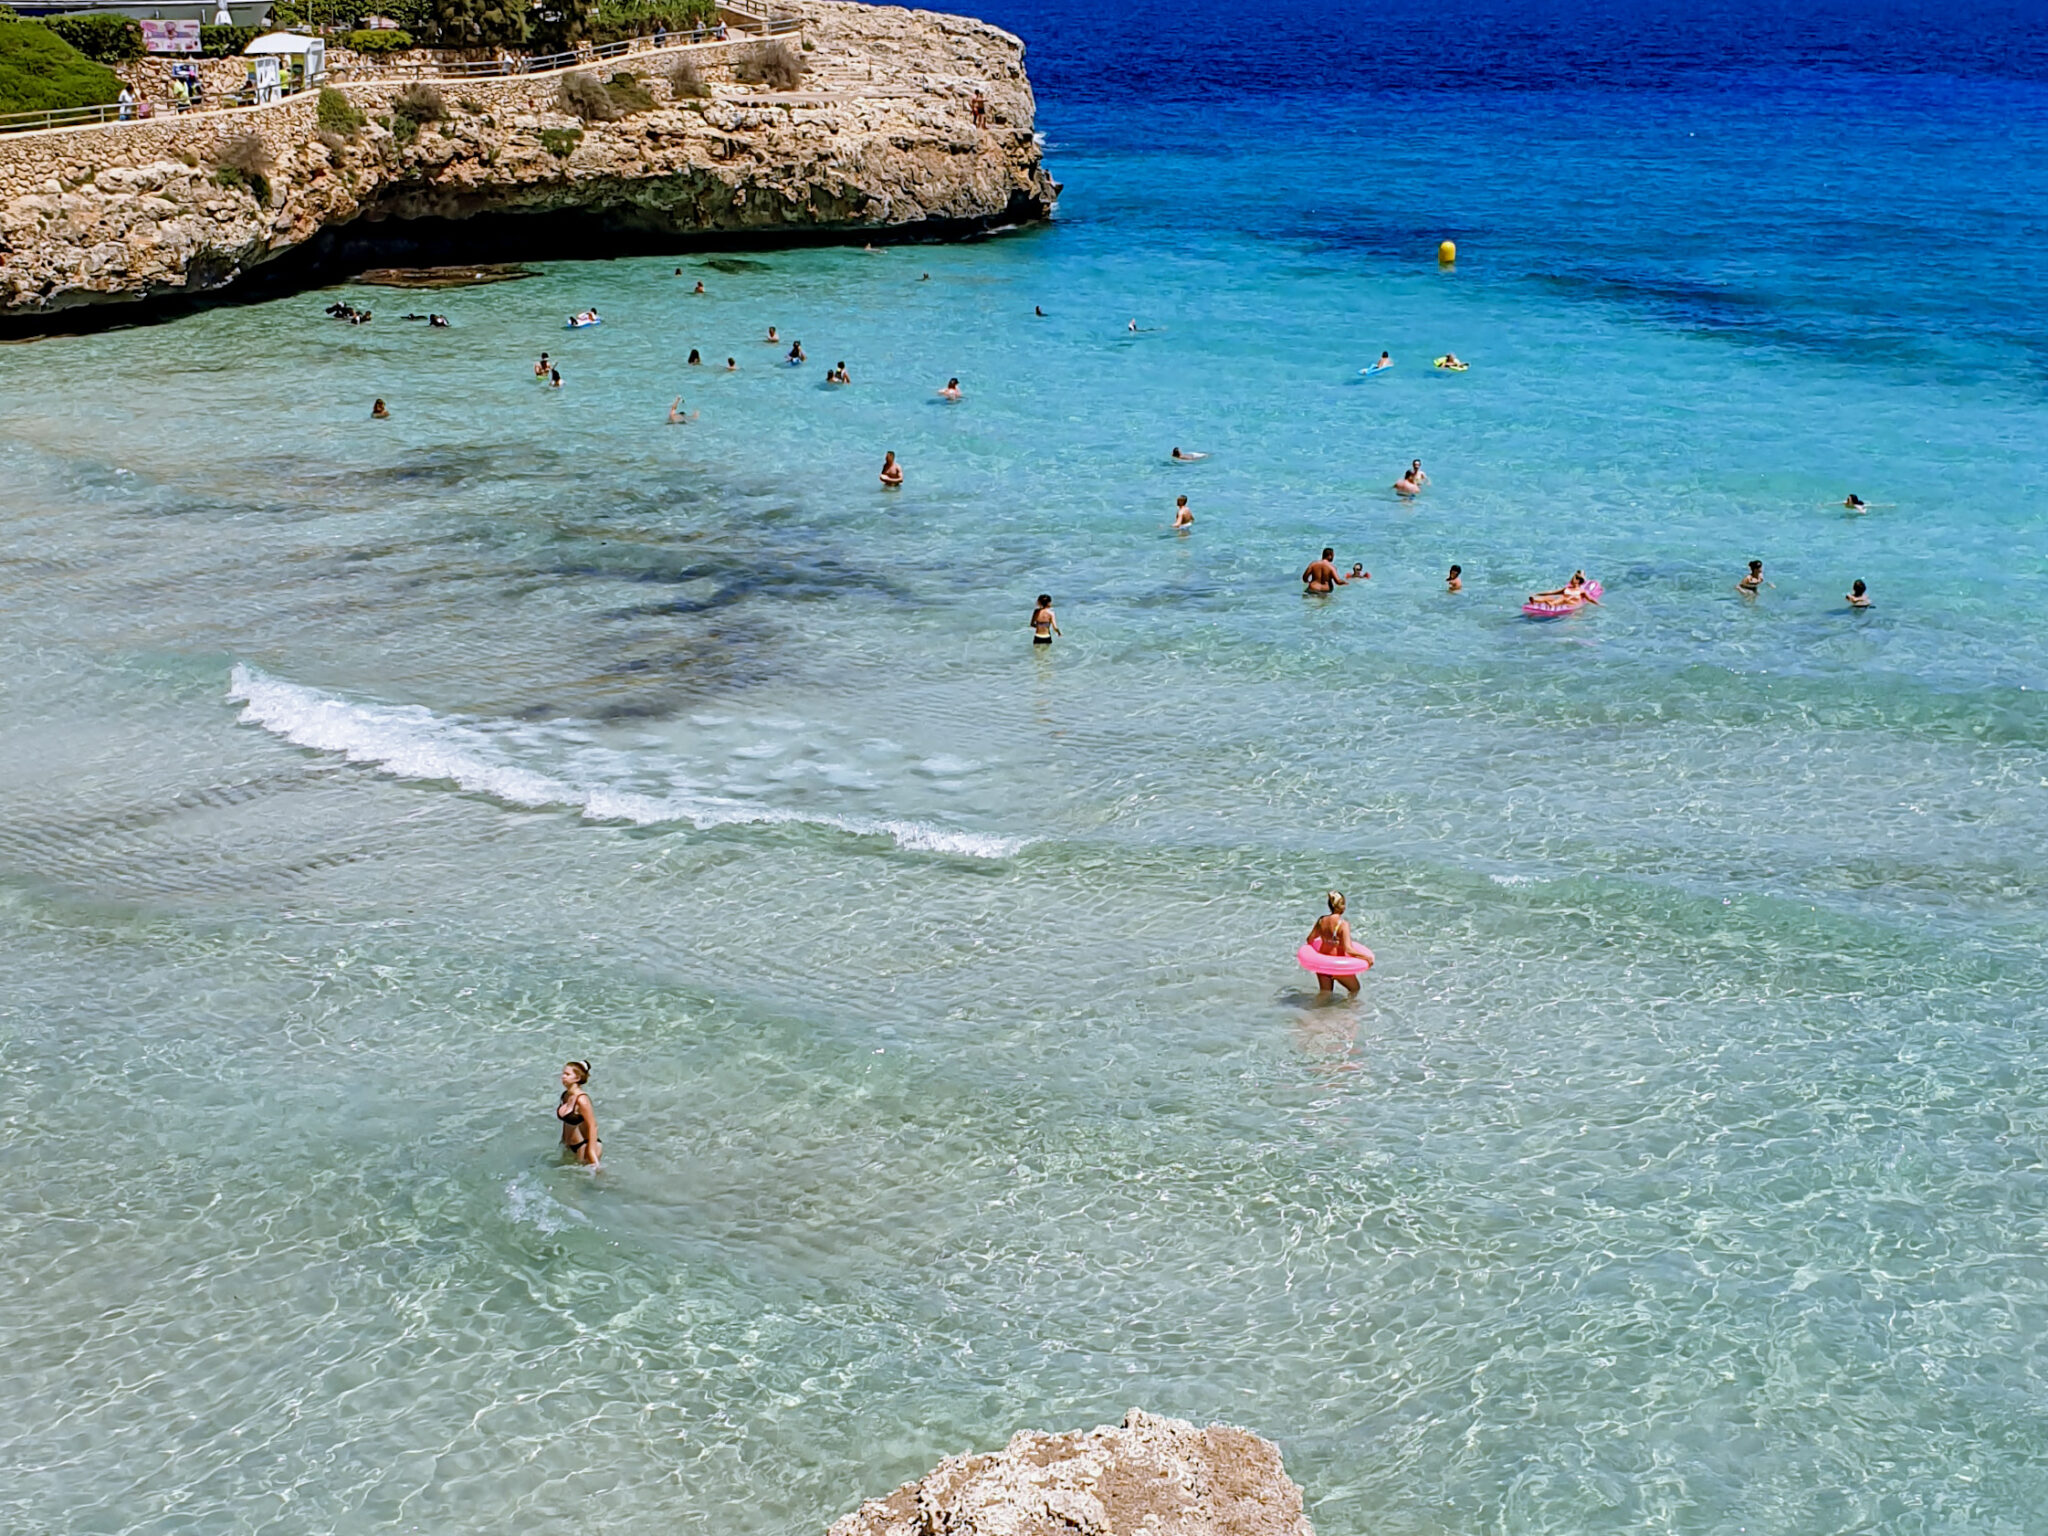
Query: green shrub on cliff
(225, 42)
(336, 113)
(378, 40)
(561, 142)
(103, 39)
(616, 19)
(40, 72)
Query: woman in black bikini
(578, 1117)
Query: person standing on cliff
(979, 107)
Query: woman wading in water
(578, 1116)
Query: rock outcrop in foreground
(880, 138)
(1150, 1477)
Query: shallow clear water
(1680, 1167)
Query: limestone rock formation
(1150, 1477)
(879, 137)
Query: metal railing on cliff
(750, 23)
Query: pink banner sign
(170, 36)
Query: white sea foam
(411, 742)
(531, 1206)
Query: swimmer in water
(578, 1116)
(1133, 327)
(1332, 936)
(1182, 517)
(1855, 503)
(540, 369)
(772, 339)
(1455, 582)
(1359, 572)
(1321, 578)
(796, 353)
(378, 412)
(1187, 458)
(1859, 595)
(695, 360)
(1036, 310)
(1044, 623)
(1753, 583)
(892, 472)
(838, 375)
(554, 378)
(951, 391)
(1407, 485)
(1415, 472)
(675, 413)
(700, 285)
(732, 365)
(1384, 362)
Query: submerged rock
(1150, 1476)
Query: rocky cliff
(1149, 1477)
(878, 140)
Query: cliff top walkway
(740, 26)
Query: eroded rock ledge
(879, 142)
(1150, 1476)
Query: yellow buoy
(1447, 253)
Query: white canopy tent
(307, 56)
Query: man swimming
(1321, 578)
(1359, 572)
(540, 369)
(892, 472)
(1182, 517)
(771, 339)
(1044, 622)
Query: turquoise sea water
(1681, 1166)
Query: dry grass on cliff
(775, 65)
(600, 101)
(686, 82)
(246, 162)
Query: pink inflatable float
(1313, 959)
(1537, 610)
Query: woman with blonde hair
(578, 1116)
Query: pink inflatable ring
(1313, 959)
(1537, 610)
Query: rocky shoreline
(879, 141)
(1149, 1476)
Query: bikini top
(568, 1113)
